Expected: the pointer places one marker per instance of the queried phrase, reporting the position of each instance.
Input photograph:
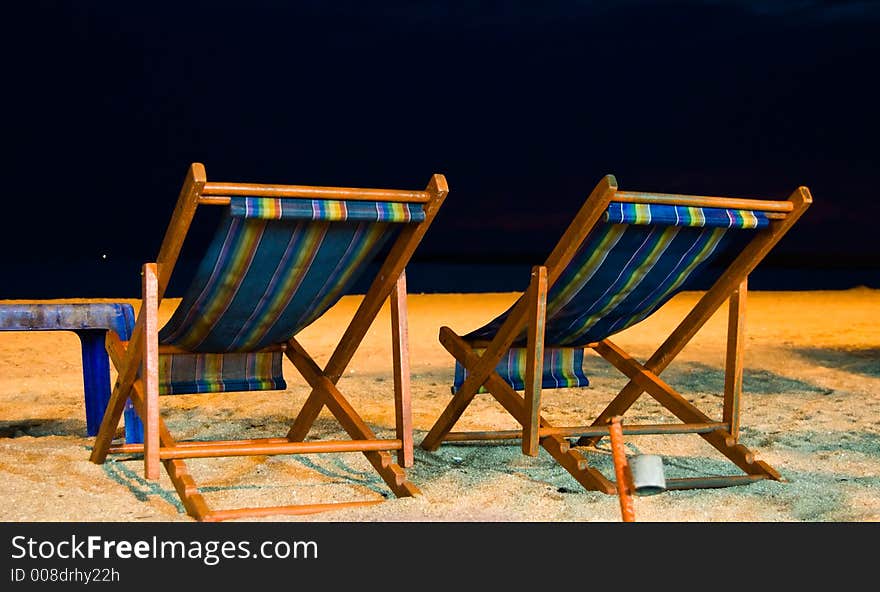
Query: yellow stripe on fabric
(639, 273)
(642, 213)
(711, 244)
(308, 247)
(372, 234)
(519, 361)
(266, 207)
(166, 363)
(263, 368)
(562, 368)
(337, 210)
(213, 368)
(613, 234)
(273, 208)
(716, 234)
(214, 373)
(233, 275)
(565, 364)
(696, 216)
(330, 210)
(397, 211)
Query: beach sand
(811, 409)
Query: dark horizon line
(122, 280)
(787, 260)
(791, 260)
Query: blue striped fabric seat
(563, 368)
(272, 268)
(636, 259)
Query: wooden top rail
(218, 193)
(700, 201)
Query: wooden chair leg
(559, 448)
(483, 367)
(188, 490)
(733, 371)
(621, 471)
(306, 417)
(683, 409)
(394, 265)
(150, 371)
(176, 468)
(537, 298)
(477, 375)
(127, 373)
(400, 354)
(393, 475)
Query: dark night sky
(523, 105)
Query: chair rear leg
(733, 367)
(393, 475)
(537, 314)
(664, 394)
(454, 409)
(558, 447)
(400, 355)
(150, 371)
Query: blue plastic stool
(90, 322)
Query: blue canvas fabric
(562, 368)
(632, 263)
(671, 215)
(332, 210)
(211, 373)
(263, 278)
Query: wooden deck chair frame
(160, 447)
(529, 313)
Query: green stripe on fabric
(240, 246)
(289, 274)
(715, 236)
(631, 275)
(353, 262)
(585, 272)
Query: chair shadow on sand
(824, 495)
(694, 377)
(38, 428)
(333, 467)
(864, 361)
(697, 377)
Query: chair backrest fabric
(636, 259)
(273, 267)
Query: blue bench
(90, 322)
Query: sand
(811, 409)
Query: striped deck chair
(281, 256)
(624, 255)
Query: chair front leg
(400, 353)
(150, 370)
(537, 314)
(733, 366)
